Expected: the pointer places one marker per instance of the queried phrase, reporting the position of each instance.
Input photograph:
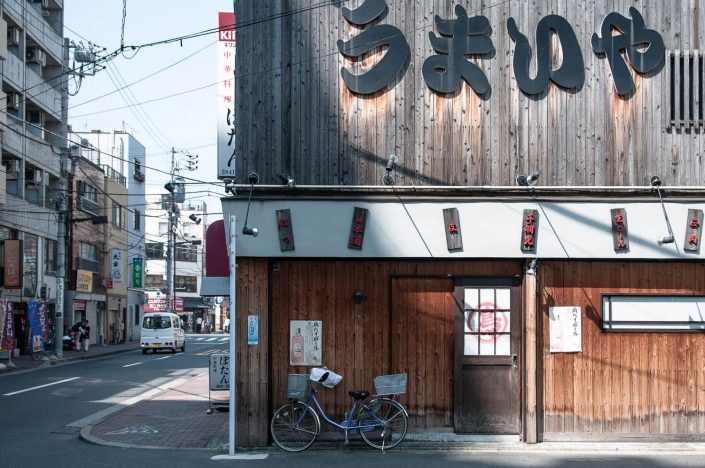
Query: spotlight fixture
(169, 186)
(230, 187)
(527, 181)
(669, 239)
(250, 231)
(531, 270)
(286, 180)
(195, 218)
(391, 161)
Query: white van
(162, 330)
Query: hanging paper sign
(306, 343)
(451, 222)
(529, 230)
(252, 330)
(620, 233)
(357, 229)
(286, 230)
(565, 329)
(693, 231)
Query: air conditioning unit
(13, 101)
(14, 36)
(36, 55)
(13, 166)
(37, 176)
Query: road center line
(165, 357)
(133, 364)
(40, 386)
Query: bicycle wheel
(295, 426)
(36, 355)
(383, 423)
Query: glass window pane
(502, 322)
(470, 321)
(502, 345)
(503, 301)
(471, 348)
(487, 299)
(470, 298)
(487, 321)
(487, 345)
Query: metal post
(233, 325)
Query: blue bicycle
(382, 422)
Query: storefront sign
(137, 272)
(620, 233)
(108, 283)
(13, 263)
(286, 230)
(156, 302)
(357, 230)
(84, 281)
(226, 94)
(470, 37)
(7, 340)
(565, 329)
(693, 231)
(59, 310)
(451, 221)
(306, 343)
(79, 305)
(252, 329)
(116, 266)
(219, 372)
(529, 231)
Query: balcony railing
(88, 205)
(139, 176)
(114, 175)
(87, 264)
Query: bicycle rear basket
(298, 386)
(390, 384)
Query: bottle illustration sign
(306, 343)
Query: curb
(86, 436)
(60, 362)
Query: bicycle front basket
(390, 384)
(298, 386)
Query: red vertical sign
(13, 264)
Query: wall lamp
(358, 296)
(391, 162)
(195, 219)
(250, 231)
(527, 181)
(531, 269)
(669, 239)
(286, 180)
(230, 187)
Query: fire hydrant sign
(565, 329)
(306, 343)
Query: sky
(185, 121)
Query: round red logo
(487, 323)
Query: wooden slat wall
(405, 324)
(635, 384)
(296, 116)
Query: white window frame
(653, 312)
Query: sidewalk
(23, 363)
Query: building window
(155, 250)
(30, 264)
(49, 256)
(90, 193)
(187, 284)
(653, 313)
(186, 253)
(163, 229)
(137, 221)
(153, 282)
(117, 215)
(88, 251)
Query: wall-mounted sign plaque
(357, 229)
(693, 231)
(451, 223)
(286, 230)
(529, 231)
(620, 233)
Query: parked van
(162, 330)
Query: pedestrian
(76, 332)
(199, 323)
(86, 335)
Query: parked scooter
(71, 341)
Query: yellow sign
(84, 281)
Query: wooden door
(487, 344)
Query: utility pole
(62, 233)
(171, 240)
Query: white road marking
(133, 364)
(165, 357)
(212, 339)
(40, 386)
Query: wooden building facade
(563, 306)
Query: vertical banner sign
(226, 94)
(357, 229)
(306, 343)
(620, 233)
(35, 327)
(59, 298)
(13, 264)
(219, 375)
(137, 272)
(693, 231)
(252, 330)
(286, 230)
(529, 231)
(116, 266)
(451, 222)
(8, 326)
(565, 329)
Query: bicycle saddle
(359, 395)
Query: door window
(487, 320)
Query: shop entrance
(487, 343)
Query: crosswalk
(207, 339)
